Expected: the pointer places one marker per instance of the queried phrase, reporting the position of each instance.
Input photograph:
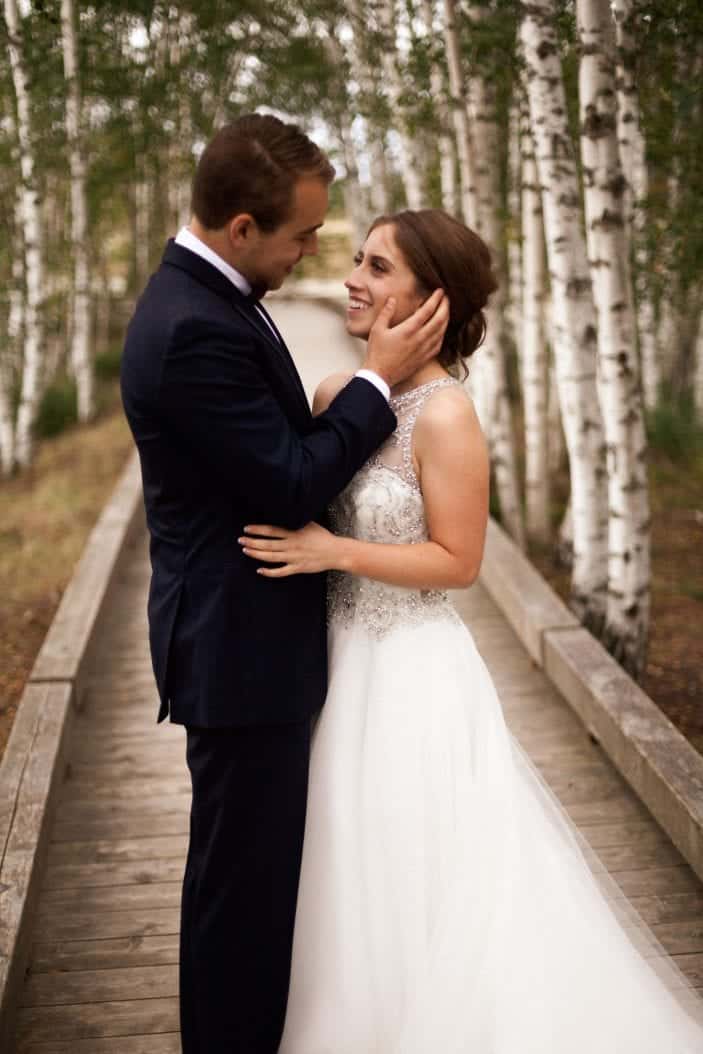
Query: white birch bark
(142, 224)
(698, 370)
(489, 226)
(445, 139)
(574, 317)
(30, 217)
(533, 340)
(81, 350)
(367, 80)
(411, 165)
(460, 114)
(633, 157)
(514, 229)
(627, 619)
(353, 196)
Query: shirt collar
(188, 240)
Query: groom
(226, 438)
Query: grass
(46, 515)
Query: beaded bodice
(383, 503)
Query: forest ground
(46, 515)
(673, 676)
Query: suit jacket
(226, 438)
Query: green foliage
(107, 364)
(674, 430)
(57, 410)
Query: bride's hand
(306, 551)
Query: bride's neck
(432, 371)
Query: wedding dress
(446, 902)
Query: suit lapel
(204, 272)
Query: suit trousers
(241, 884)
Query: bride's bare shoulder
(328, 389)
(449, 416)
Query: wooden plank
(121, 827)
(100, 986)
(691, 966)
(118, 850)
(627, 857)
(46, 1024)
(156, 1043)
(131, 951)
(657, 880)
(78, 876)
(116, 789)
(680, 937)
(615, 810)
(672, 907)
(638, 832)
(74, 809)
(82, 924)
(170, 768)
(109, 898)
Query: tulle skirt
(447, 903)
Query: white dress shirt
(188, 240)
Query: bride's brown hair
(442, 252)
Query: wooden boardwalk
(103, 972)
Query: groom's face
(272, 256)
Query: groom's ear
(242, 229)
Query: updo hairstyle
(442, 252)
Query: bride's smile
(380, 271)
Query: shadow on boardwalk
(103, 972)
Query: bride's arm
(454, 472)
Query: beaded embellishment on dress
(383, 503)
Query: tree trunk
(698, 370)
(33, 244)
(460, 115)
(81, 351)
(490, 227)
(411, 163)
(574, 317)
(532, 337)
(142, 224)
(627, 620)
(514, 230)
(445, 139)
(633, 157)
(369, 89)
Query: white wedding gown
(446, 905)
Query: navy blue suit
(226, 438)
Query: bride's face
(380, 272)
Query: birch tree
(533, 340)
(574, 317)
(411, 166)
(627, 616)
(460, 114)
(81, 351)
(31, 222)
(445, 139)
(632, 156)
(496, 411)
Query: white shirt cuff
(378, 382)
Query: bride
(446, 903)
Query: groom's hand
(396, 352)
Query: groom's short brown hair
(252, 165)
